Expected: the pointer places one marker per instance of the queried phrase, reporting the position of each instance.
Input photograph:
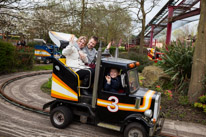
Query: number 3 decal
(113, 107)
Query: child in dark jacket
(113, 83)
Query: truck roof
(117, 61)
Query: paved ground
(184, 129)
(15, 122)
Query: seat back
(63, 60)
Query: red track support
(169, 25)
(151, 36)
(186, 15)
(155, 43)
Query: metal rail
(18, 103)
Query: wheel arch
(71, 105)
(57, 103)
(53, 104)
(135, 118)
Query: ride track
(15, 122)
(172, 11)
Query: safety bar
(89, 77)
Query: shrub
(202, 103)
(113, 49)
(12, 59)
(183, 100)
(137, 48)
(26, 49)
(24, 61)
(140, 80)
(32, 44)
(202, 99)
(177, 63)
(164, 82)
(144, 61)
(167, 93)
(6, 57)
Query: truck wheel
(47, 61)
(135, 130)
(61, 117)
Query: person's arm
(68, 50)
(106, 51)
(109, 45)
(107, 85)
(93, 60)
(83, 57)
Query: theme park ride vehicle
(153, 55)
(45, 52)
(133, 110)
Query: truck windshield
(133, 80)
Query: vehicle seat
(63, 60)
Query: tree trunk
(196, 87)
(143, 28)
(142, 37)
(82, 17)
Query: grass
(182, 115)
(183, 100)
(42, 67)
(46, 87)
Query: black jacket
(114, 86)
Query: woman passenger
(76, 59)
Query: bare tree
(54, 16)
(196, 87)
(141, 15)
(10, 13)
(79, 17)
(140, 8)
(82, 16)
(108, 21)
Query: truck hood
(141, 92)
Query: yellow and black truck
(134, 111)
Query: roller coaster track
(181, 9)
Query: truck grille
(157, 106)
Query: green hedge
(32, 44)
(7, 51)
(113, 49)
(24, 61)
(12, 60)
(143, 59)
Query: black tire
(61, 117)
(135, 130)
(47, 61)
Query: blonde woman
(76, 59)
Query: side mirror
(123, 80)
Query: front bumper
(38, 58)
(157, 128)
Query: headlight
(148, 113)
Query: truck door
(108, 109)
